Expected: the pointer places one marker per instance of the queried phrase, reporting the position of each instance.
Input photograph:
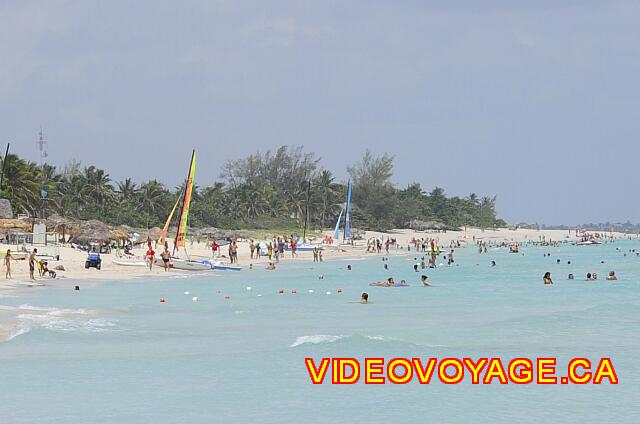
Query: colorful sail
(182, 225)
(336, 232)
(347, 220)
(165, 229)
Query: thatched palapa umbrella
(11, 223)
(153, 234)
(92, 230)
(418, 225)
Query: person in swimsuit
(612, 276)
(364, 298)
(32, 264)
(150, 256)
(166, 256)
(7, 264)
(547, 278)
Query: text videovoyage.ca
(543, 370)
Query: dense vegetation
(264, 190)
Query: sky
(535, 102)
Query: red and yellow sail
(165, 229)
(182, 225)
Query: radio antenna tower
(42, 145)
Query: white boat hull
(184, 265)
(125, 262)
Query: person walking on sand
(150, 256)
(252, 248)
(166, 256)
(7, 264)
(32, 264)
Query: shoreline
(12, 326)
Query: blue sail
(336, 232)
(347, 220)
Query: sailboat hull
(181, 264)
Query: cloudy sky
(533, 101)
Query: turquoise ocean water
(118, 355)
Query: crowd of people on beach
(41, 265)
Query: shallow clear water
(136, 360)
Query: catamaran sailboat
(347, 241)
(179, 263)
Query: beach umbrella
(418, 225)
(153, 234)
(60, 224)
(119, 234)
(210, 232)
(92, 230)
(19, 224)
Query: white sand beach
(75, 273)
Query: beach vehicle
(93, 261)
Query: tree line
(275, 189)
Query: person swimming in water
(390, 282)
(348, 267)
(493, 263)
(425, 281)
(547, 278)
(589, 277)
(612, 276)
(570, 277)
(364, 298)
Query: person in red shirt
(293, 248)
(214, 248)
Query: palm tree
(151, 195)
(22, 184)
(98, 186)
(325, 199)
(127, 189)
